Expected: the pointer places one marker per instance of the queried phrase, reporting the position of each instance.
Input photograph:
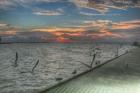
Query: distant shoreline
(69, 42)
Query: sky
(70, 20)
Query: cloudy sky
(70, 20)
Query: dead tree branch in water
(86, 65)
(74, 72)
(35, 66)
(16, 60)
(117, 51)
(93, 59)
(0, 39)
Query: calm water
(119, 76)
(55, 60)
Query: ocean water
(121, 75)
(55, 61)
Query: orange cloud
(89, 30)
(64, 34)
(7, 30)
(126, 25)
(105, 32)
(57, 29)
(63, 40)
(61, 32)
(97, 23)
(7, 33)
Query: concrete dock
(121, 75)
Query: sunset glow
(69, 20)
